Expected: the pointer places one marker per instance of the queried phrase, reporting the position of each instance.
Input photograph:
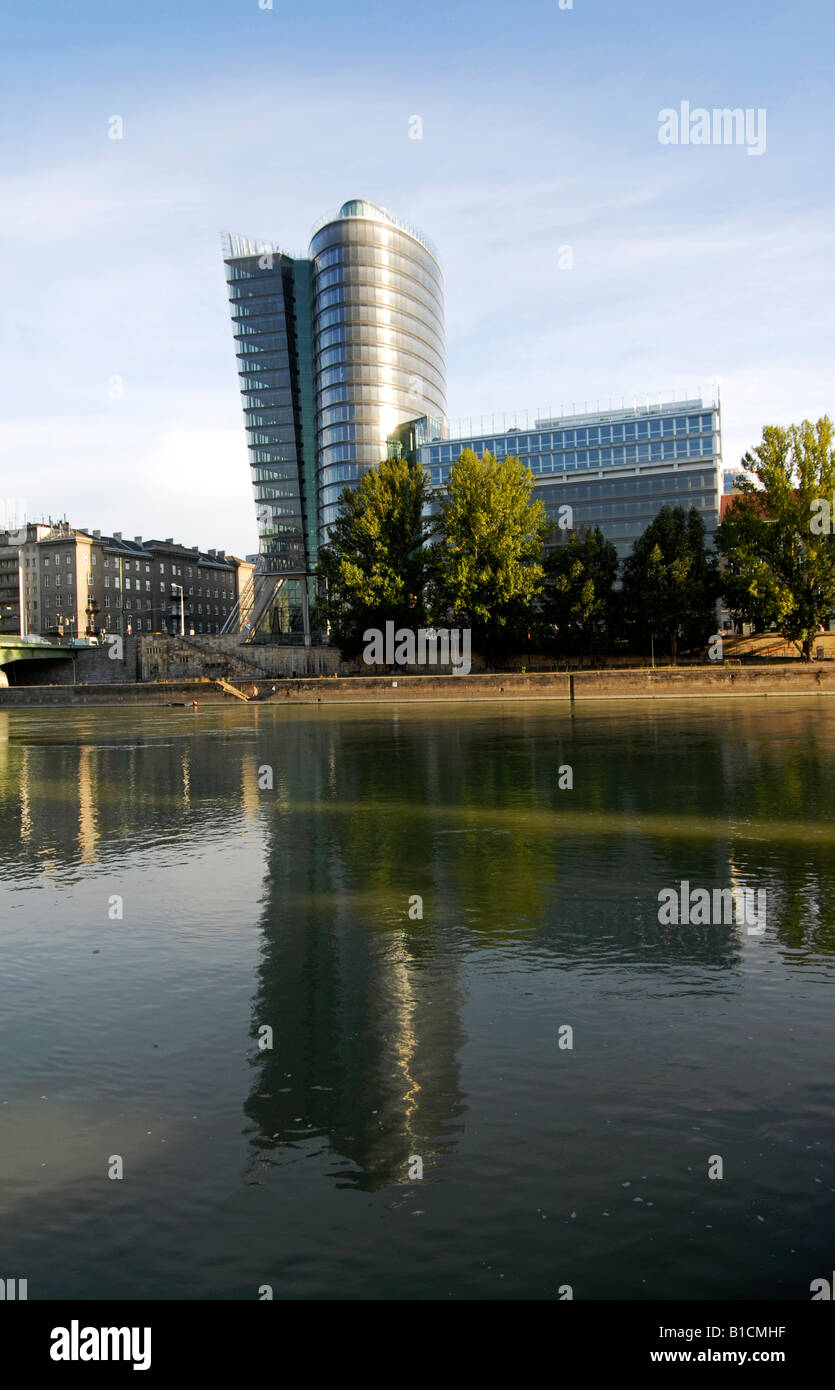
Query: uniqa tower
(336, 353)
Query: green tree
(377, 562)
(670, 583)
(489, 569)
(776, 541)
(580, 580)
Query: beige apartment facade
(74, 582)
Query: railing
(529, 421)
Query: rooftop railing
(529, 421)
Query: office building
(341, 359)
(615, 468)
(334, 351)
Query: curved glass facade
(378, 342)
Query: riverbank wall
(579, 686)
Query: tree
(580, 580)
(489, 562)
(670, 583)
(376, 562)
(776, 539)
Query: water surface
(396, 1037)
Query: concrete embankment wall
(670, 683)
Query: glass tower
(378, 333)
(335, 352)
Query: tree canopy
(670, 583)
(580, 581)
(377, 561)
(490, 560)
(776, 539)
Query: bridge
(16, 648)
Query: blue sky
(692, 265)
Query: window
(135, 565)
(46, 559)
(66, 559)
(147, 624)
(162, 587)
(162, 569)
(147, 585)
(107, 561)
(107, 581)
(147, 569)
(94, 558)
(46, 581)
(127, 582)
(86, 558)
(127, 603)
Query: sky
(584, 261)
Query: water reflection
(367, 1004)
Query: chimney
(117, 535)
(97, 535)
(138, 540)
(169, 540)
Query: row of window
(367, 255)
(614, 457)
(174, 569)
(129, 604)
(410, 352)
(668, 427)
(368, 321)
(335, 286)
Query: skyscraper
(378, 325)
(334, 353)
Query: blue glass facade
(615, 469)
(269, 296)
